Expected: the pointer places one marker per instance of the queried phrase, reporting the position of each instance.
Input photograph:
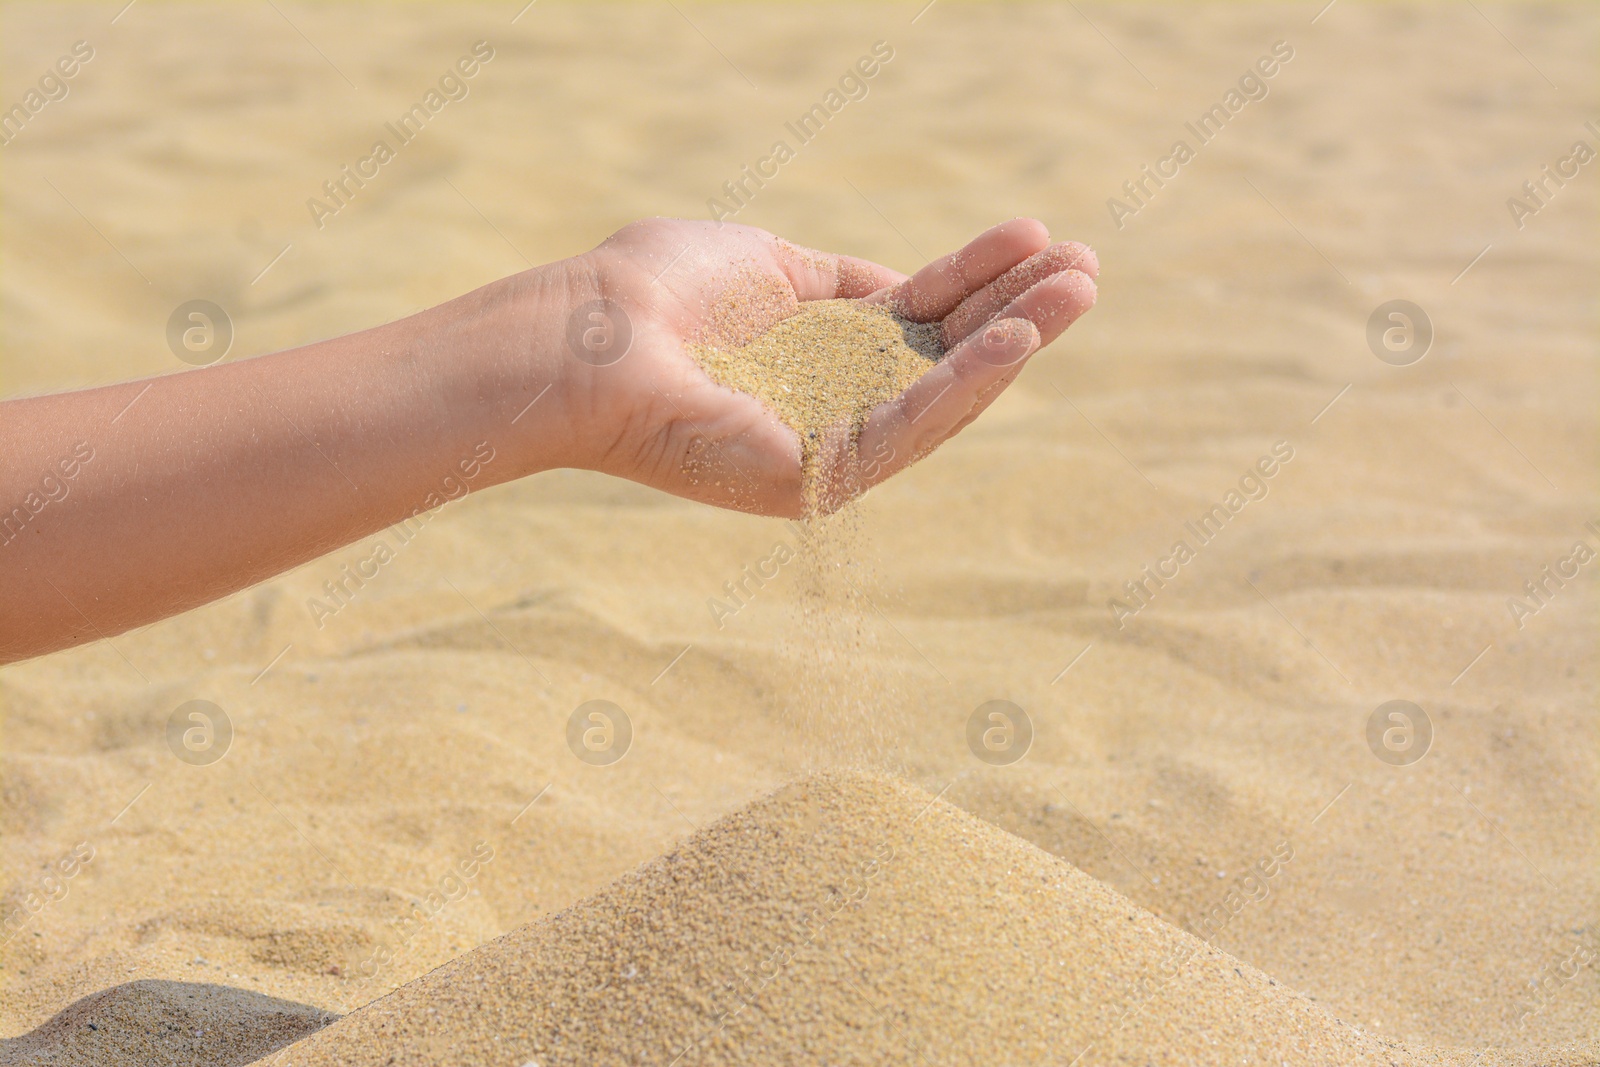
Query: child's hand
(653, 416)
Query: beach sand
(399, 793)
(844, 920)
(822, 370)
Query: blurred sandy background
(1431, 902)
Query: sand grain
(827, 365)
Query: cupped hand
(646, 411)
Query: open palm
(655, 417)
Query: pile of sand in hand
(152, 1022)
(826, 365)
(845, 919)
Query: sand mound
(153, 1022)
(846, 919)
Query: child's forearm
(124, 504)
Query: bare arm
(164, 494)
(125, 504)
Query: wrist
(496, 359)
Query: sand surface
(421, 731)
(844, 920)
(159, 1022)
